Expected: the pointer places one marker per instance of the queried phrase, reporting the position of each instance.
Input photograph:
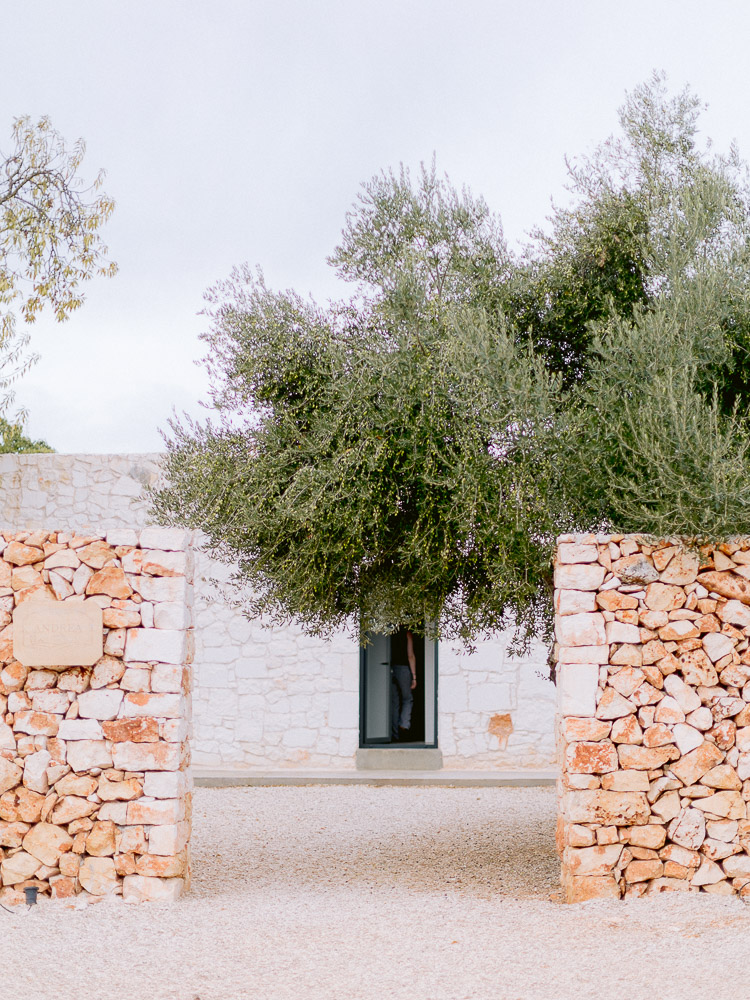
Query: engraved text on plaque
(51, 634)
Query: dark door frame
(363, 706)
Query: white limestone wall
(495, 710)
(274, 698)
(270, 698)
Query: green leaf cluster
(13, 440)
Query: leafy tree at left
(13, 441)
(50, 240)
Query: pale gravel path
(359, 893)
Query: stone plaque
(52, 634)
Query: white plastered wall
(275, 698)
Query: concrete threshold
(236, 778)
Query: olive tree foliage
(659, 390)
(409, 455)
(616, 246)
(368, 464)
(50, 241)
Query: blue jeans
(402, 699)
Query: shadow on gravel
(468, 842)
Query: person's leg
(395, 705)
(407, 697)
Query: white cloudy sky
(240, 130)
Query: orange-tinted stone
(591, 758)
(110, 581)
(143, 730)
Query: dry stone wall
(653, 661)
(94, 782)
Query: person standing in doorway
(403, 683)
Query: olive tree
(407, 456)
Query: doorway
(376, 699)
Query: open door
(378, 697)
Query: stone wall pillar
(95, 791)
(653, 654)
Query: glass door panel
(377, 690)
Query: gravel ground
(361, 893)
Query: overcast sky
(240, 130)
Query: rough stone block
(688, 829)
(154, 644)
(171, 616)
(18, 868)
(622, 632)
(146, 811)
(168, 840)
(582, 889)
(717, 645)
(80, 729)
(577, 836)
(122, 536)
(682, 569)
(643, 871)
(599, 860)
(577, 552)
(612, 706)
(608, 808)
(735, 613)
(101, 704)
(174, 730)
(82, 755)
(585, 729)
(579, 576)
(46, 842)
(576, 688)
(136, 679)
(723, 805)
(147, 756)
(591, 758)
(142, 704)
(173, 590)
(167, 784)
(10, 775)
(651, 836)
(98, 875)
(162, 866)
(646, 758)
(157, 562)
(36, 723)
(695, 764)
(171, 539)
(573, 602)
(116, 811)
(583, 654)
(626, 781)
(737, 866)
(581, 630)
(140, 730)
(167, 678)
(145, 889)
